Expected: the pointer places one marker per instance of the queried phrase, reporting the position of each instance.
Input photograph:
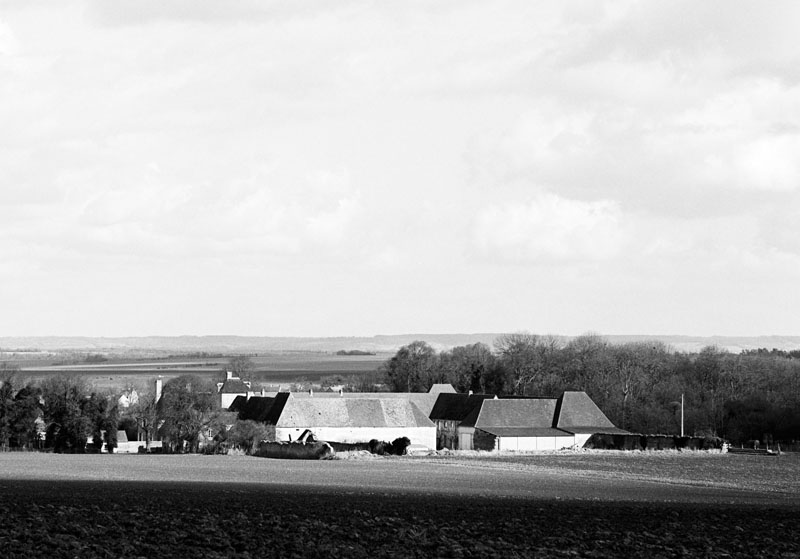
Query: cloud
(551, 228)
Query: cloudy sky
(356, 168)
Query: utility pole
(681, 414)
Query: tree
(241, 366)
(467, 367)
(68, 426)
(185, 408)
(517, 354)
(145, 413)
(6, 409)
(27, 411)
(246, 435)
(411, 369)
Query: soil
(286, 509)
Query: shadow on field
(182, 519)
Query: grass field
(592, 504)
(285, 368)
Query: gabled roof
(256, 408)
(577, 413)
(346, 412)
(234, 386)
(529, 412)
(424, 400)
(455, 407)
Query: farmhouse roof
(530, 412)
(423, 400)
(238, 403)
(257, 408)
(455, 407)
(346, 412)
(577, 413)
(234, 385)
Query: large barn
(345, 420)
(483, 423)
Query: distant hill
(373, 344)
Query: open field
(552, 505)
(269, 369)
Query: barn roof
(456, 407)
(424, 400)
(347, 412)
(577, 413)
(531, 413)
(234, 386)
(257, 408)
(238, 403)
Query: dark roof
(257, 408)
(524, 431)
(273, 414)
(238, 403)
(533, 412)
(234, 386)
(577, 413)
(456, 407)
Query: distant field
(270, 369)
(547, 505)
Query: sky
(354, 168)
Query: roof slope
(455, 407)
(424, 400)
(530, 413)
(577, 413)
(234, 386)
(349, 412)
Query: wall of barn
(446, 434)
(425, 436)
(465, 437)
(534, 443)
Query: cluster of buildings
(438, 419)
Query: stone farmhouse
(484, 422)
(439, 419)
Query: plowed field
(558, 505)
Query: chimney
(262, 391)
(311, 392)
(159, 386)
(228, 375)
(469, 393)
(341, 392)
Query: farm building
(578, 415)
(345, 420)
(230, 388)
(449, 411)
(423, 400)
(532, 423)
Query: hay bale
(296, 451)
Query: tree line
(64, 414)
(754, 395)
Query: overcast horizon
(264, 168)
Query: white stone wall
(535, 443)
